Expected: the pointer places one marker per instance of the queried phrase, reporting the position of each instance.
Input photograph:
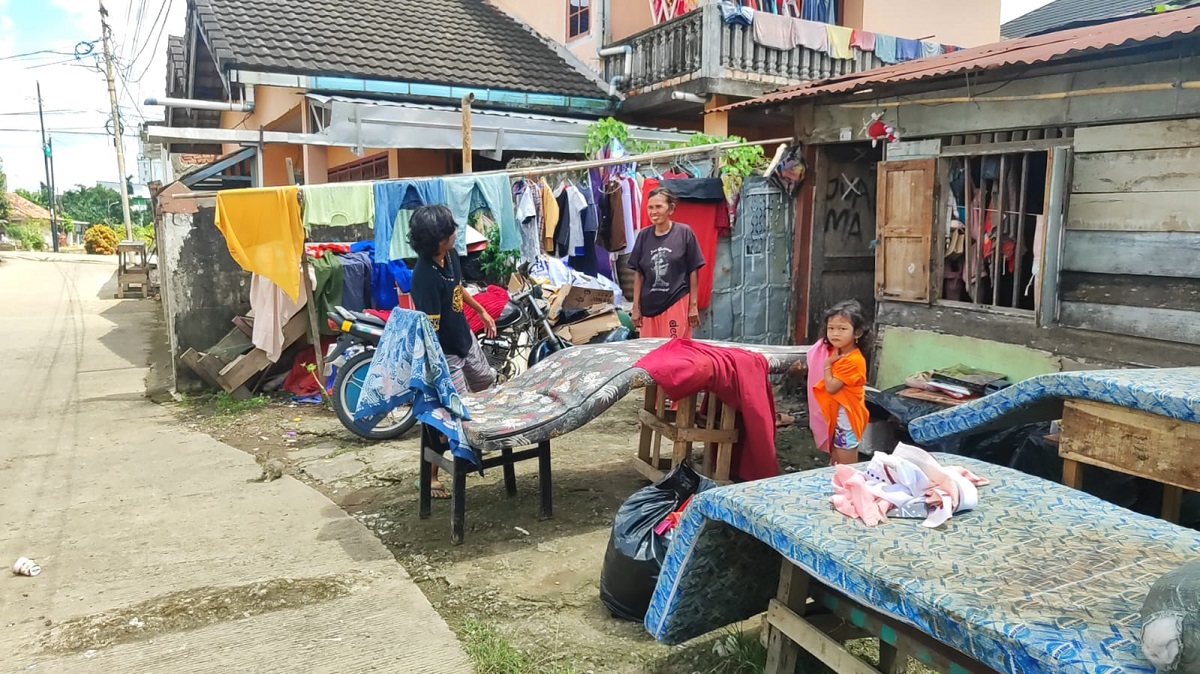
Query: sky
(74, 92)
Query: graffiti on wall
(848, 202)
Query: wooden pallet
(219, 368)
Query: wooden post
(313, 321)
(782, 651)
(467, 99)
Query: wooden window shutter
(904, 229)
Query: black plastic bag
(635, 553)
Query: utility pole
(118, 139)
(56, 208)
(46, 162)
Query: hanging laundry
(272, 310)
(931, 49)
(571, 204)
(810, 34)
(885, 48)
(702, 207)
(735, 14)
(907, 50)
(839, 41)
(466, 194)
(392, 197)
(823, 11)
(356, 280)
(398, 246)
(338, 204)
(774, 31)
(264, 234)
(550, 216)
(584, 261)
(388, 279)
(527, 220)
(327, 291)
(864, 40)
(319, 249)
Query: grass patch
(222, 404)
(492, 653)
(739, 653)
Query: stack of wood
(231, 363)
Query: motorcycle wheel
(543, 348)
(346, 388)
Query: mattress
(572, 387)
(1038, 578)
(1173, 393)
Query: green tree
(92, 204)
(41, 197)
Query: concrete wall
(549, 17)
(203, 288)
(905, 351)
(966, 24)
(275, 172)
(270, 104)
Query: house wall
(966, 24)
(270, 104)
(1128, 288)
(275, 171)
(549, 17)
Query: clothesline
(577, 165)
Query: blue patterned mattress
(1172, 393)
(1039, 578)
(573, 386)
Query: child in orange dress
(840, 393)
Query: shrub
(100, 240)
(29, 237)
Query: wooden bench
(716, 433)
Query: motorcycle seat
(508, 316)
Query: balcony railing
(700, 44)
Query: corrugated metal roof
(1021, 51)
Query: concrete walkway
(157, 554)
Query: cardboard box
(578, 297)
(584, 331)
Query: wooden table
(1134, 443)
(716, 430)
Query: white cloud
(79, 159)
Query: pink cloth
(852, 497)
(817, 355)
(864, 40)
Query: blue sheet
(1038, 578)
(1173, 393)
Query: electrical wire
(157, 40)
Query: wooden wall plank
(1136, 211)
(1174, 133)
(1132, 442)
(1138, 171)
(1146, 253)
(1154, 292)
(1162, 324)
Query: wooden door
(904, 229)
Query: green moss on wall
(906, 351)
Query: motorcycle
(522, 326)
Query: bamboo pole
(580, 165)
(467, 99)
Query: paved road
(157, 555)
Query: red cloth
(738, 378)
(705, 218)
(299, 380)
(494, 299)
(318, 249)
(643, 215)
(378, 313)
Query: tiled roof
(24, 209)
(450, 42)
(1149, 29)
(1061, 13)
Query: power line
(161, 29)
